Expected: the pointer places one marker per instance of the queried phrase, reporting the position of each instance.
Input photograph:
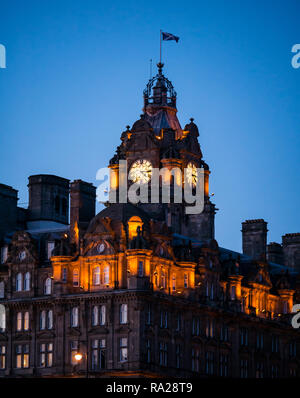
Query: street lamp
(78, 357)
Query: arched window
(27, 282)
(74, 317)
(106, 275)
(43, 320)
(123, 313)
(57, 205)
(141, 268)
(19, 280)
(95, 315)
(19, 321)
(76, 277)
(174, 282)
(233, 293)
(163, 278)
(212, 293)
(186, 280)
(96, 276)
(26, 320)
(2, 318)
(50, 319)
(102, 315)
(48, 286)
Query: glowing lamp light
(78, 357)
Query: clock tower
(157, 141)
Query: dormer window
(96, 276)
(19, 282)
(27, 282)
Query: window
(22, 356)
(106, 275)
(96, 276)
(164, 319)
(224, 333)
(2, 318)
(123, 349)
(209, 330)
(223, 365)
(19, 321)
(163, 354)
(209, 363)
(95, 315)
(212, 292)
(293, 349)
(50, 319)
(196, 326)
(27, 282)
(98, 354)
(19, 280)
(259, 340)
(178, 356)
(174, 283)
(46, 355)
(75, 277)
(26, 320)
(244, 336)
(47, 286)
(141, 268)
(74, 349)
(148, 351)
(102, 313)
(178, 322)
(50, 248)
(186, 280)
(4, 252)
(43, 320)
(148, 315)
(163, 279)
(64, 274)
(275, 344)
(2, 289)
(74, 317)
(195, 360)
(244, 368)
(123, 313)
(233, 293)
(2, 357)
(259, 373)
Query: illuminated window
(47, 286)
(46, 355)
(22, 356)
(74, 317)
(186, 281)
(26, 320)
(209, 330)
(123, 313)
(163, 278)
(27, 282)
(75, 277)
(123, 349)
(98, 354)
(106, 275)
(2, 356)
(19, 280)
(19, 321)
(96, 276)
(74, 348)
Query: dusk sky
(75, 75)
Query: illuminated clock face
(191, 174)
(140, 171)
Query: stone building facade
(141, 289)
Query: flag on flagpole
(169, 36)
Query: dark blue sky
(75, 75)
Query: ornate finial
(160, 66)
(192, 119)
(127, 127)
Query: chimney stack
(275, 253)
(255, 238)
(83, 204)
(291, 250)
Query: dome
(141, 125)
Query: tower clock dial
(191, 174)
(141, 171)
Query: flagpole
(160, 47)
